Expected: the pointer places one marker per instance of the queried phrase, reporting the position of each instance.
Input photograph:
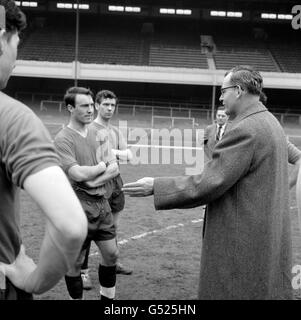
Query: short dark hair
(15, 18)
(70, 95)
(263, 98)
(247, 78)
(105, 94)
(221, 108)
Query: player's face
(84, 109)
(9, 48)
(221, 117)
(228, 95)
(106, 108)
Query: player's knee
(111, 256)
(114, 255)
(74, 271)
(77, 266)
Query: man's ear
(96, 105)
(240, 91)
(2, 18)
(70, 108)
(2, 38)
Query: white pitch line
(197, 221)
(142, 235)
(294, 136)
(170, 227)
(121, 242)
(164, 147)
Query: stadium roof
(186, 3)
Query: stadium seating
(176, 48)
(111, 46)
(169, 45)
(48, 44)
(242, 49)
(287, 53)
(100, 46)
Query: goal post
(172, 120)
(46, 103)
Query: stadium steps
(231, 51)
(182, 57)
(259, 60)
(287, 56)
(53, 44)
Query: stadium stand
(167, 45)
(149, 40)
(49, 43)
(244, 49)
(287, 52)
(170, 47)
(111, 45)
(106, 44)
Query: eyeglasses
(224, 89)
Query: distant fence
(168, 109)
(172, 112)
(288, 117)
(38, 96)
(172, 119)
(45, 103)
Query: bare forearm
(85, 173)
(58, 253)
(111, 172)
(125, 155)
(66, 227)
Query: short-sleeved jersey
(25, 149)
(74, 149)
(294, 154)
(116, 138)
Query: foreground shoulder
(12, 108)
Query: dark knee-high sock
(74, 286)
(107, 280)
(85, 265)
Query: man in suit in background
(214, 132)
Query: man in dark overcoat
(246, 252)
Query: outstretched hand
(141, 188)
(19, 271)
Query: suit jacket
(246, 250)
(210, 139)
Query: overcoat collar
(253, 108)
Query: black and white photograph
(150, 152)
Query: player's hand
(19, 271)
(114, 151)
(102, 165)
(141, 188)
